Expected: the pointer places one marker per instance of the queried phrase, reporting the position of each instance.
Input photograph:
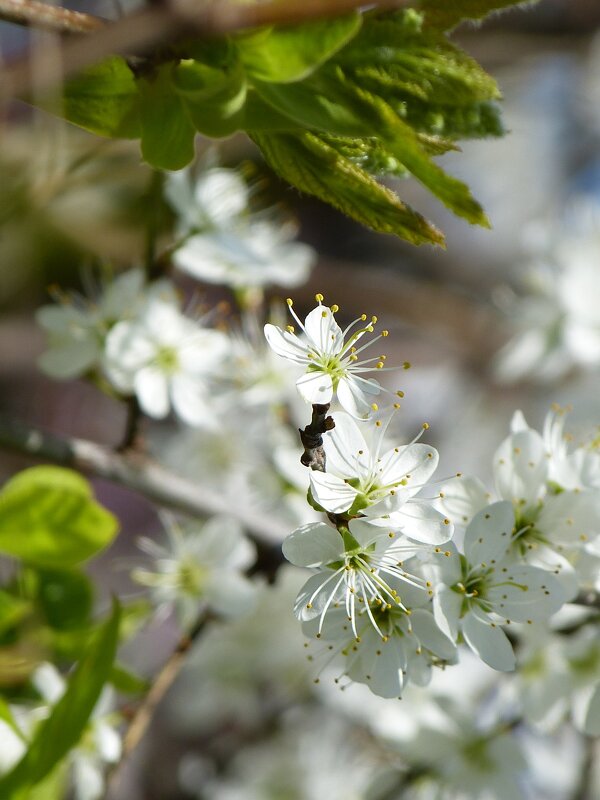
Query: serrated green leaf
(403, 143)
(48, 517)
(447, 15)
(65, 598)
(104, 99)
(61, 731)
(167, 132)
(317, 168)
(291, 53)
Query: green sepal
(49, 518)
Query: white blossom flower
(379, 484)
(551, 524)
(558, 325)
(482, 589)
(12, 746)
(559, 676)
(166, 359)
(330, 358)
(77, 327)
(402, 648)
(199, 567)
(100, 745)
(225, 242)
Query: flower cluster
(394, 590)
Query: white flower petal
(315, 387)
(330, 492)
(591, 723)
(521, 467)
(446, 609)
(417, 461)
(152, 390)
(316, 593)
(429, 634)
(489, 642)
(420, 522)
(356, 395)
(524, 592)
(323, 331)
(462, 499)
(345, 448)
(285, 344)
(313, 545)
(488, 536)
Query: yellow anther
(319, 298)
(373, 320)
(400, 394)
(396, 405)
(425, 426)
(289, 301)
(446, 521)
(406, 365)
(363, 317)
(309, 605)
(323, 314)
(385, 333)
(335, 308)
(290, 328)
(374, 406)
(369, 328)
(447, 553)
(378, 424)
(379, 365)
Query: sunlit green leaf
(61, 731)
(48, 517)
(314, 166)
(12, 610)
(291, 53)
(167, 130)
(103, 99)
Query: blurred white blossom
(225, 242)
(200, 566)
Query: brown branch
(312, 437)
(157, 25)
(32, 13)
(138, 472)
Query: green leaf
(212, 96)
(12, 611)
(166, 128)
(404, 144)
(6, 716)
(62, 730)
(291, 53)
(65, 597)
(49, 518)
(314, 166)
(446, 15)
(104, 99)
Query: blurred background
(70, 204)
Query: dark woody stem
(312, 437)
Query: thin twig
(32, 13)
(157, 25)
(132, 424)
(138, 472)
(312, 437)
